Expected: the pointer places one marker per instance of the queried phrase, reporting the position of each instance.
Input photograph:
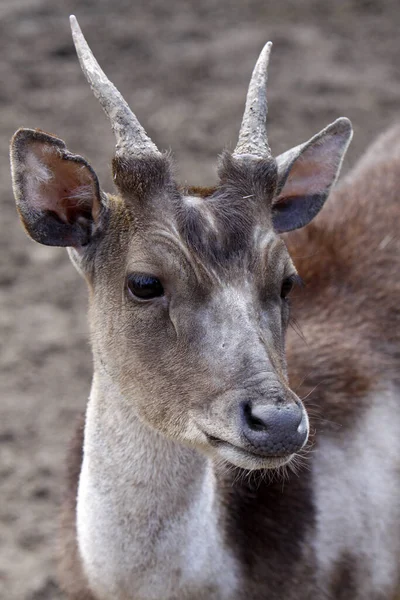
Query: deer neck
(148, 516)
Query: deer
(224, 454)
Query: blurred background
(184, 67)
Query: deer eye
(144, 286)
(288, 284)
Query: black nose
(274, 429)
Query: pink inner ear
(59, 184)
(314, 171)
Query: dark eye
(144, 286)
(287, 286)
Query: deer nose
(274, 429)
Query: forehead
(211, 240)
(222, 230)
(225, 232)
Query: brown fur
(201, 192)
(348, 259)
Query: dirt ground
(184, 66)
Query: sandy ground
(184, 66)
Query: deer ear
(57, 193)
(306, 175)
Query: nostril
(252, 421)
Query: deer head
(188, 292)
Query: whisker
(303, 380)
(294, 324)
(309, 393)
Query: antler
(253, 137)
(130, 135)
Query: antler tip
(264, 54)
(76, 30)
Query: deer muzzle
(276, 430)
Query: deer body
(333, 530)
(174, 485)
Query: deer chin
(246, 459)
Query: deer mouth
(245, 458)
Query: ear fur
(306, 175)
(57, 193)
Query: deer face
(188, 294)
(193, 313)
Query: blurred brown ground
(184, 66)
